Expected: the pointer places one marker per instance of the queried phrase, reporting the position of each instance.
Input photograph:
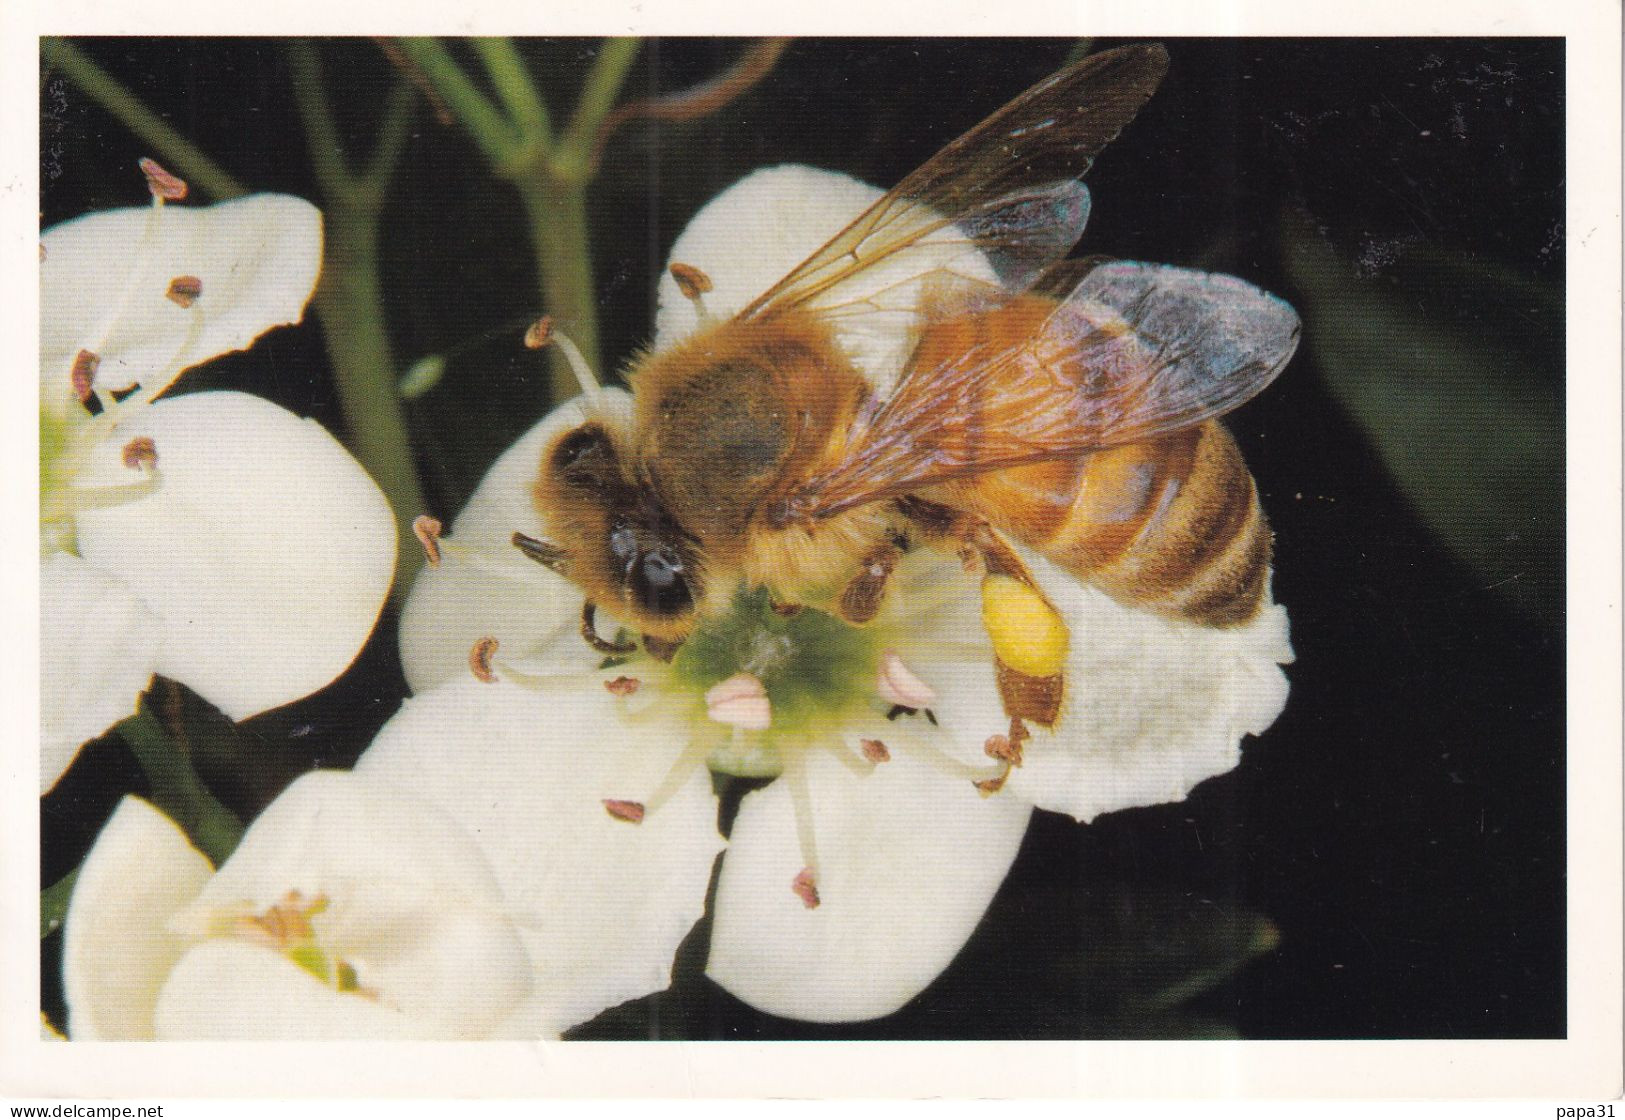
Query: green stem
(511, 80)
(176, 788)
(53, 903)
(495, 135)
(350, 301)
(350, 297)
(179, 154)
(573, 160)
(557, 215)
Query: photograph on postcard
(802, 539)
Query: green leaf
(1454, 367)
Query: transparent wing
(1005, 193)
(1134, 352)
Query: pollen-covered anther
(539, 333)
(480, 660)
(805, 886)
(184, 290)
(85, 364)
(140, 452)
(629, 811)
(692, 282)
(897, 684)
(740, 701)
(162, 184)
(427, 530)
(623, 686)
(1004, 748)
(990, 786)
(874, 750)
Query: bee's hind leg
(1029, 638)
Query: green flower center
(817, 672)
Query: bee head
(613, 537)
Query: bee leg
(866, 591)
(589, 633)
(661, 649)
(1029, 637)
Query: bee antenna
(693, 283)
(542, 332)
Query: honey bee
(1066, 406)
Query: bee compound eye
(585, 457)
(660, 582)
(623, 543)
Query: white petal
(752, 234)
(98, 649)
(232, 991)
(908, 859)
(410, 902)
(527, 609)
(1153, 707)
(117, 947)
(527, 772)
(267, 551)
(102, 290)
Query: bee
(1067, 406)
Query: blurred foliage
(1448, 362)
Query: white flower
(214, 537)
(349, 910)
(852, 879)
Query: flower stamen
(874, 750)
(805, 886)
(629, 811)
(165, 187)
(480, 660)
(427, 530)
(184, 291)
(83, 376)
(140, 453)
(623, 686)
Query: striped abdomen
(1172, 525)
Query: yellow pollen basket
(1028, 635)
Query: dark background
(1401, 826)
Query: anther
(140, 452)
(539, 333)
(427, 531)
(480, 657)
(1003, 748)
(692, 282)
(623, 686)
(85, 364)
(805, 886)
(740, 701)
(874, 750)
(898, 685)
(629, 811)
(990, 786)
(163, 185)
(786, 610)
(184, 290)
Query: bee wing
(1006, 190)
(1136, 351)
